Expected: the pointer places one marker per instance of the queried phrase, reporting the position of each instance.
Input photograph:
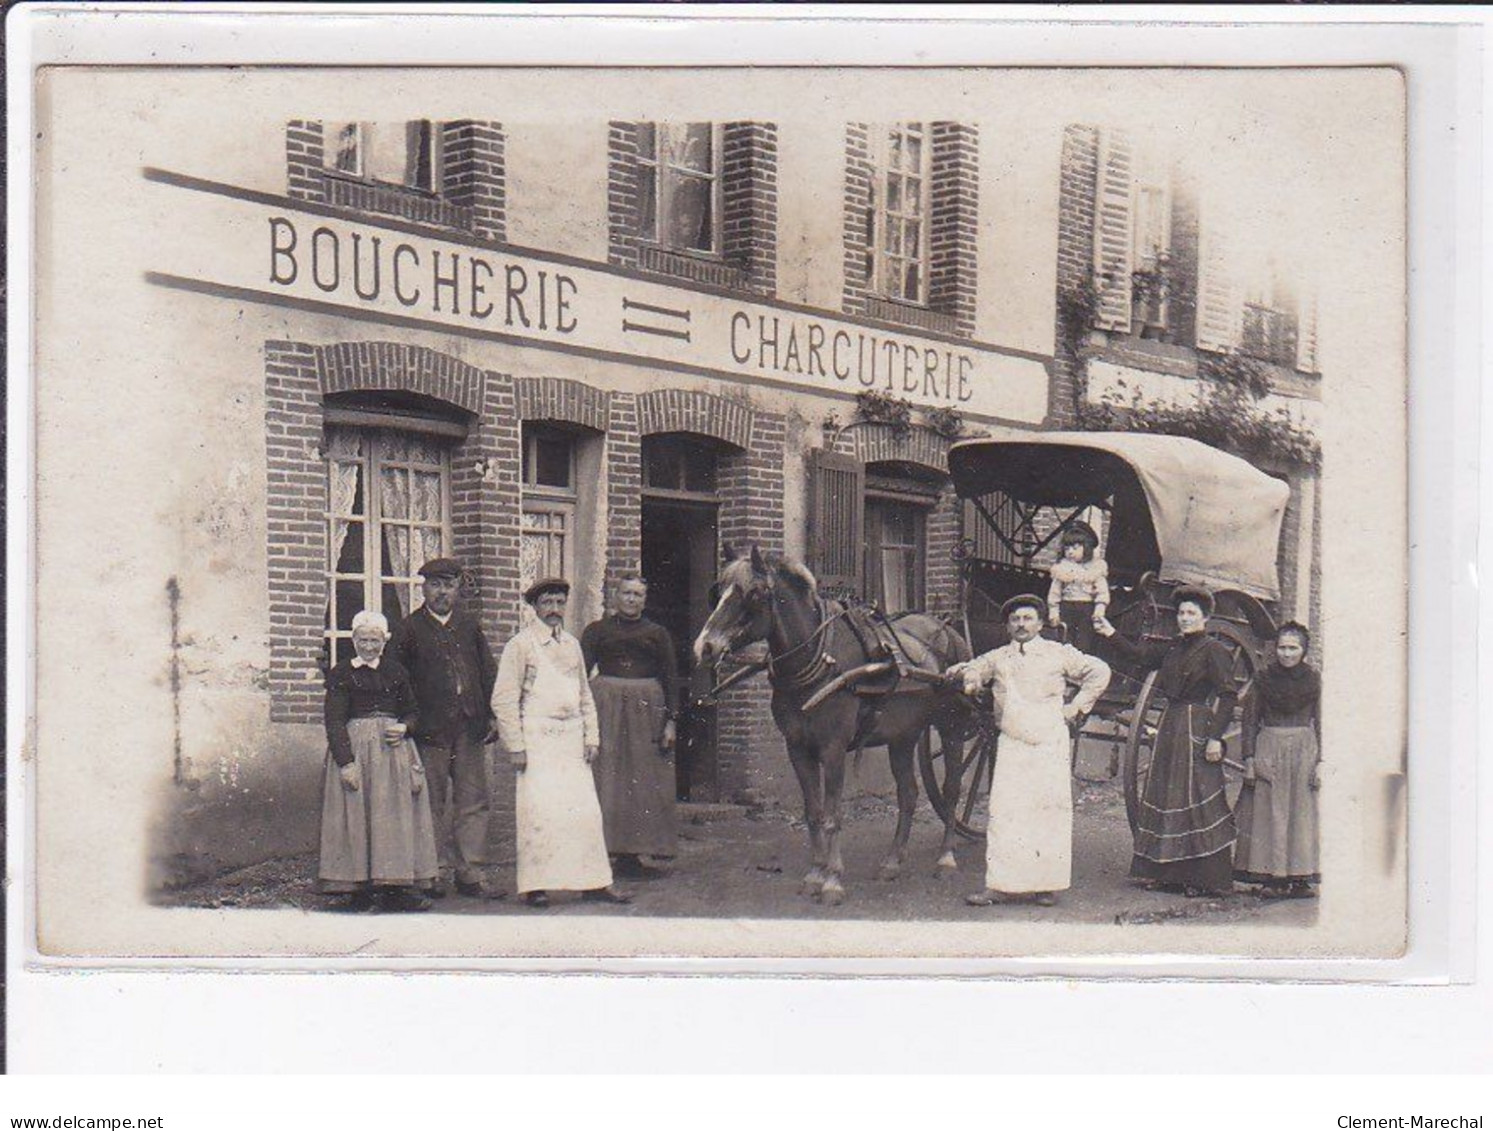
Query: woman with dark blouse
(1184, 832)
(377, 838)
(634, 689)
(1281, 745)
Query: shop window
(680, 185)
(397, 153)
(388, 512)
(897, 222)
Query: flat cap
(546, 585)
(1024, 601)
(441, 567)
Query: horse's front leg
(811, 782)
(833, 761)
(904, 772)
(951, 737)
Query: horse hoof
(946, 865)
(811, 884)
(832, 895)
(889, 871)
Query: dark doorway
(679, 562)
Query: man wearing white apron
(547, 722)
(1029, 841)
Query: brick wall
(485, 472)
(305, 160)
(860, 176)
(473, 188)
(749, 202)
(473, 175)
(945, 524)
(1077, 173)
(624, 490)
(749, 211)
(295, 509)
(953, 275)
(953, 224)
(751, 486)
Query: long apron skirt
(1029, 840)
(382, 833)
(634, 779)
(1277, 813)
(1185, 831)
(561, 845)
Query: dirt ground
(735, 863)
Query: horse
(810, 643)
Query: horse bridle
(815, 670)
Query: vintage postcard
(511, 513)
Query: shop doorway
(680, 555)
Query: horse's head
(743, 615)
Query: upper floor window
(398, 153)
(680, 185)
(1268, 326)
(897, 243)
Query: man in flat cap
(547, 722)
(1029, 841)
(451, 666)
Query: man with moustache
(1029, 841)
(452, 669)
(547, 722)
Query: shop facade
(618, 347)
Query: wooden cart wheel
(976, 771)
(1145, 719)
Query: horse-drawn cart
(1174, 512)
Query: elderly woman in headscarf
(377, 838)
(1281, 745)
(1184, 834)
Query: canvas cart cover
(1215, 518)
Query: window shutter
(1306, 334)
(837, 487)
(1220, 307)
(1113, 231)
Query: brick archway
(558, 398)
(704, 414)
(381, 366)
(922, 447)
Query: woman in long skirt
(634, 689)
(1277, 813)
(1184, 834)
(377, 838)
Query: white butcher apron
(561, 844)
(1029, 842)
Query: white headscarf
(370, 618)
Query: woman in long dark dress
(1281, 744)
(634, 689)
(1184, 834)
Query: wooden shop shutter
(1306, 334)
(837, 488)
(1220, 306)
(1113, 235)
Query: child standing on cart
(1079, 595)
